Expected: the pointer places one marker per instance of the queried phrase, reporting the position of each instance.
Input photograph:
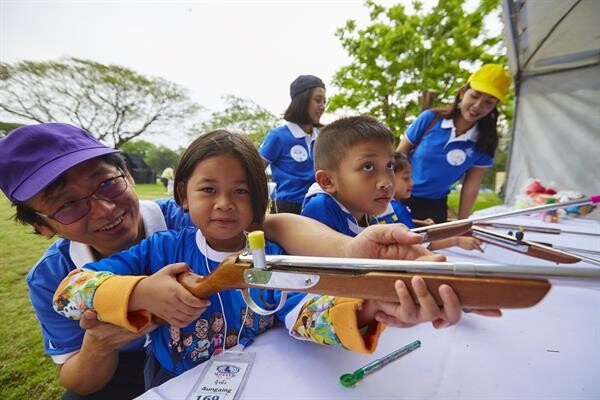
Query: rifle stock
(474, 292)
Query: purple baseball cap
(33, 156)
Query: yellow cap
(256, 240)
(491, 79)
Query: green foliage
(401, 54)
(113, 103)
(6, 127)
(157, 157)
(161, 157)
(241, 116)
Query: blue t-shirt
(396, 212)
(63, 336)
(289, 152)
(440, 159)
(178, 350)
(321, 206)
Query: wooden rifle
(477, 285)
(530, 248)
(462, 226)
(536, 229)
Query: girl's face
(403, 182)
(218, 199)
(316, 105)
(475, 105)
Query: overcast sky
(252, 49)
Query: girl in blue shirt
(288, 148)
(220, 182)
(457, 142)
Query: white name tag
(223, 377)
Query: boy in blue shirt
(356, 181)
(354, 164)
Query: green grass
(25, 372)
(484, 200)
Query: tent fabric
(554, 54)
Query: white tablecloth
(550, 351)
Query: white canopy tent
(554, 55)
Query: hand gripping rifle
(477, 285)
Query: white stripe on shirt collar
(152, 217)
(211, 253)
(298, 132)
(472, 134)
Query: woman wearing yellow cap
(446, 144)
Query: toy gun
(536, 229)
(533, 249)
(478, 286)
(460, 227)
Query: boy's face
(218, 199)
(364, 179)
(403, 182)
(109, 226)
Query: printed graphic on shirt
(456, 157)
(298, 153)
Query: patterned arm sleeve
(75, 294)
(332, 321)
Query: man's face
(110, 225)
(364, 179)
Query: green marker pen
(349, 380)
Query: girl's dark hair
(297, 111)
(400, 161)
(487, 142)
(27, 216)
(221, 142)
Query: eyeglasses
(73, 211)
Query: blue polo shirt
(63, 337)
(440, 158)
(289, 151)
(196, 342)
(323, 207)
(396, 213)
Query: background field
(24, 370)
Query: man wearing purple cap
(63, 181)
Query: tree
(241, 116)
(157, 157)
(114, 103)
(140, 147)
(161, 157)
(401, 54)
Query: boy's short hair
(336, 138)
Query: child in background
(221, 182)
(403, 190)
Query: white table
(550, 351)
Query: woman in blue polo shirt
(288, 148)
(448, 144)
